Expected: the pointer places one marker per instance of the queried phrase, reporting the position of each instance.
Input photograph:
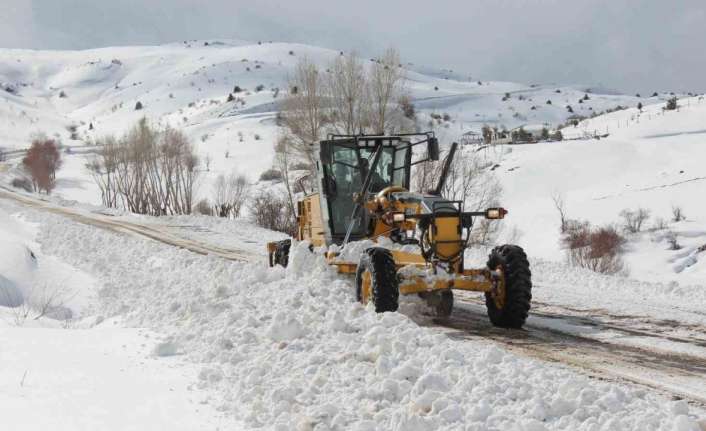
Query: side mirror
(433, 148)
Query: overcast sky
(630, 45)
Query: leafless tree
(282, 160)
(303, 114)
(633, 220)
(560, 206)
(147, 171)
(271, 211)
(229, 194)
(677, 214)
(348, 93)
(386, 86)
(41, 162)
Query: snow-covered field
(278, 349)
(115, 323)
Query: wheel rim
(366, 287)
(499, 292)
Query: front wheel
(376, 279)
(508, 302)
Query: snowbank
(291, 349)
(42, 285)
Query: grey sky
(632, 45)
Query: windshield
(345, 176)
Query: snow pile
(291, 349)
(33, 284)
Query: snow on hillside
(292, 349)
(653, 160)
(186, 85)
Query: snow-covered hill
(652, 160)
(187, 85)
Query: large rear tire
(510, 310)
(376, 280)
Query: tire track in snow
(106, 222)
(675, 374)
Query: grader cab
(363, 193)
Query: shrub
(273, 212)
(570, 109)
(677, 214)
(42, 161)
(230, 97)
(229, 194)
(598, 249)
(436, 88)
(655, 94)
(671, 238)
(259, 88)
(545, 133)
(237, 89)
(639, 106)
(203, 207)
(634, 220)
(671, 104)
(138, 106)
(271, 175)
(62, 94)
(549, 102)
(23, 183)
(291, 52)
(407, 108)
(558, 136)
(446, 117)
(256, 136)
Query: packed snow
(292, 349)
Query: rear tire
(281, 254)
(518, 287)
(384, 288)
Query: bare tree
(270, 210)
(42, 161)
(677, 214)
(303, 113)
(282, 159)
(148, 171)
(560, 206)
(347, 87)
(633, 220)
(386, 85)
(229, 194)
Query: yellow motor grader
(362, 192)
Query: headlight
(495, 213)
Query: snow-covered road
(666, 355)
(368, 371)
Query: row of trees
(147, 171)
